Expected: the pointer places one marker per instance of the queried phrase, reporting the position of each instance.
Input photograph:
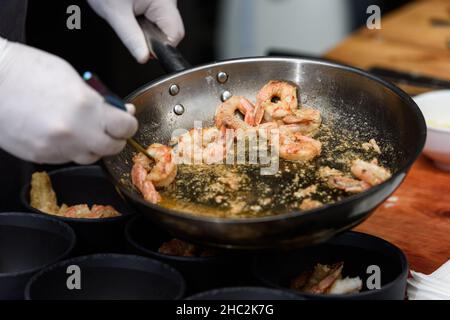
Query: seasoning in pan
(319, 163)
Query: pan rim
(401, 172)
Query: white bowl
(435, 107)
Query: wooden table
(417, 217)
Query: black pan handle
(169, 57)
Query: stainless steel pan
(358, 100)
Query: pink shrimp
(278, 99)
(146, 175)
(336, 180)
(226, 117)
(201, 144)
(296, 147)
(305, 120)
(369, 172)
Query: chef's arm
(49, 115)
(121, 15)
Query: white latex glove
(121, 15)
(49, 115)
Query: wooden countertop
(417, 217)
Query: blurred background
(215, 30)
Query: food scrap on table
(326, 279)
(43, 198)
(176, 247)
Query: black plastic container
(28, 243)
(88, 184)
(108, 277)
(245, 293)
(357, 250)
(201, 273)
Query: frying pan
(358, 100)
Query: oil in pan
(240, 191)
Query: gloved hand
(49, 115)
(121, 15)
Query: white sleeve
(3, 50)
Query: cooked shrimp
(104, 211)
(202, 144)
(309, 204)
(226, 114)
(146, 176)
(248, 109)
(278, 99)
(164, 171)
(265, 129)
(370, 172)
(139, 172)
(83, 211)
(336, 180)
(296, 147)
(319, 280)
(77, 211)
(324, 277)
(347, 184)
(258, 114)
(305, 120)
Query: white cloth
(48, 114)
(435, 286)
(121, 15)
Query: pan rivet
(174, 90)
(178, 109)
(222, 77)
(225, 96)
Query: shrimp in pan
(307, 121)
(296, 147)
(146, 176)
(200, 145)
(278, 99)
(226, 114)
(337, 180)
(369, 172)
(347, 184)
